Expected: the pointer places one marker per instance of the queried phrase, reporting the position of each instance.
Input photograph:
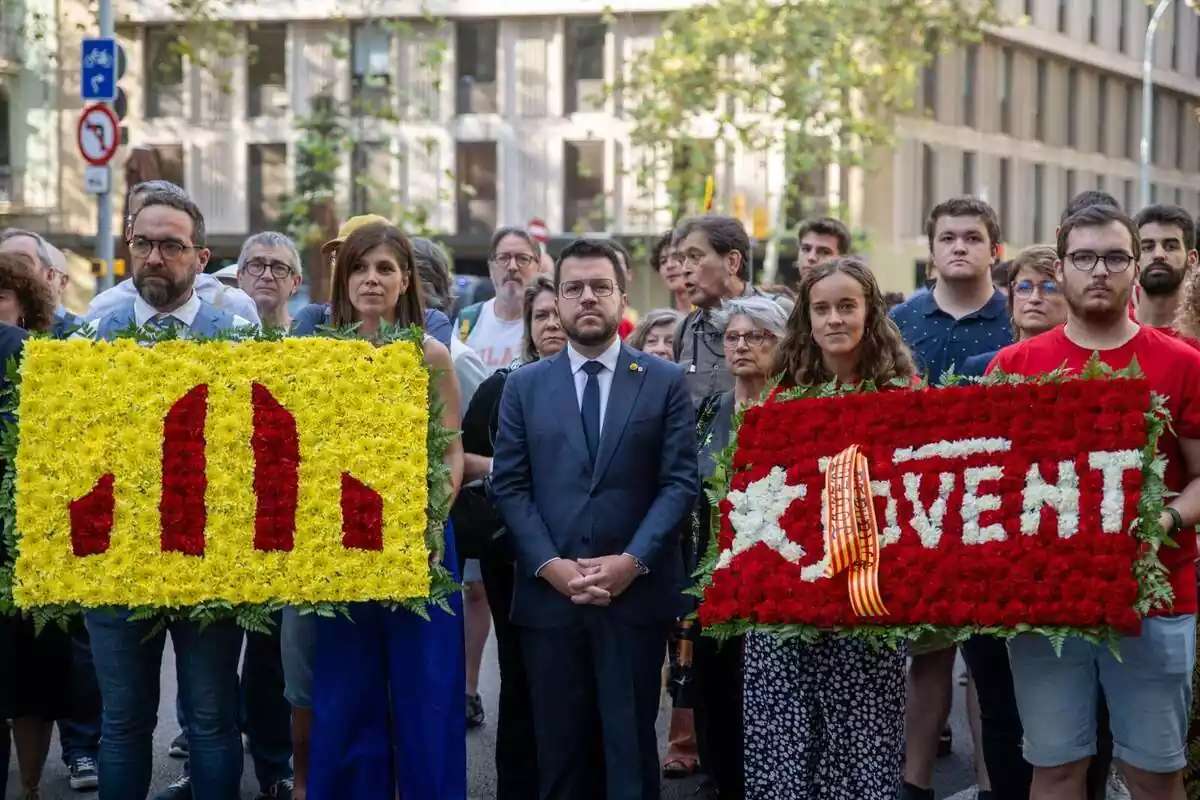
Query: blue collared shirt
(939, 341)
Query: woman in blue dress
(388, 715)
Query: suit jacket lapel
(622, 396)
(563, 387)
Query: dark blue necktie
(590, 409)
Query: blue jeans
(79, 736)
(265, 716)
(128, 666)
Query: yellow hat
(349, 227)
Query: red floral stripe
(276, 448)
(92, 519)
(184, 478)
(362, 515)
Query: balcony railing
(10, 187)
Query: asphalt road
(953, 779)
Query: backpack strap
(467, 319)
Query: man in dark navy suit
(594, 474)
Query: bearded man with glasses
(1149, 687)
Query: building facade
(494, 119)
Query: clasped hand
(591, 581)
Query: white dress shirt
(211, 290)
(185, 315)
(604, 377)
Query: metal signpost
(99, 132)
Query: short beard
(592, 339)
(1160, 283)
(157, 295)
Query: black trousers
(598, 677)
(516, 747)
(1010, 774)
(717, 670)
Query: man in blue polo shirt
(963, 315)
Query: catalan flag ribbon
(851, 534)
(708, 194)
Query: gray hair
(58, 260)
(41, 245)
(270, 239)
(649, 321)
(764, 312)
(434, 269)
(145, 187)
(179, 202)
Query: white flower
(974, 504)
(928, 522)
(755, 517)
(1063, 497)
(1112, 465)
(959, 448)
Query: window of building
(1094, 22)
(475, 60)
(1182, 120)
(585, 39)
(8, 189)
(266, 184)
(970, 75)
(1072, 104)
(691, 161)
(1005, 187)
(968, 172)
(1178, 196)
(1123, 23)
(1177, 32)
(807, 186)
(170, 163)
(929, 191)
(1039, 201)
(1131, 104)
(266, 71)
(584, 186)
(1062, 16)
(1101, 183)
(929, 76)
(164, 74)
(371, 81)
(1128, 194)
(1039, 110)
(1006, 88)
(1153, 193)
(371, 175)
(1030, 7)
(1102, 115)
(1072, 181)
(475, 188)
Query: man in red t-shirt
(1149, 689)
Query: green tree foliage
(820, 80)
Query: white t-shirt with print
(497, 342)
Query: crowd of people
(587, 434)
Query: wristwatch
(637, 562)
(1176, 521)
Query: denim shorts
(298, 646)
(1149, 694)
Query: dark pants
(79, 736)
(597, 672)
(5, 750)
(717, 670)
(1010, 774)
(516, 748)
(265, 716)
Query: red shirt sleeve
(1187, 409)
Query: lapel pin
(635, 366)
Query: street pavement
(954, 778)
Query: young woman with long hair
(825, 721)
